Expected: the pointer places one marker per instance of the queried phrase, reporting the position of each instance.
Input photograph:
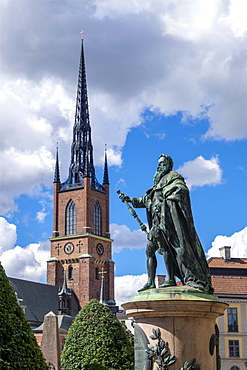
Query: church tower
(81, 247)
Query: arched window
(234, 368)
(70, 218)
(70, 273)
(97, 219)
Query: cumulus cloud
(125, 238)
(26, 263)
(201, 171)
(8, 235)
(41, 215)
(127, 286)
(29, 131)
(237, 242)
(171, 56)
(23, 173)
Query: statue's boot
(151, 267)
(168, 283)
(147, 286)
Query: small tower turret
(64, 299)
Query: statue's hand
(123, 197)
(143, 227)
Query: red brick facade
(84, 259)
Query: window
(233, 348)
(96, 273)
(234, 368)
(232, 319)
(63, 343)
(70, 273)
(70, 218)
(97, 219)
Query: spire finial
(82, 34)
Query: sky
(163, 77)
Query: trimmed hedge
(18, 346)
(97, 341)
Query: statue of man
(171, 230)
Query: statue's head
(165, 164)
(167, 160)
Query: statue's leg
(151, 266)
(170, 268)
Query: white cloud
(236, 18)
(127, 286)
(199, 59)
(237, 242)
(201, 171)
(41, 215)
(29, 132)
(27, 263)
(171, 56)
(8, 235)
(28, 170)
(125, 238)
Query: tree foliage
(18, 346)
(97, 341)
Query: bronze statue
(171, 230)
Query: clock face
(99, 249)
(68, 248)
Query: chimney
(225, 252)
(159, 279)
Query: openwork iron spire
(81, 164)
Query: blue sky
(163, 77)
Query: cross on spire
(82, 34)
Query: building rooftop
(229, 285)
(239, 263)
(38, 299)
(229, 275)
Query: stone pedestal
(186, 319)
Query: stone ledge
(174, 293)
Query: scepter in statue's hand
(126, 199)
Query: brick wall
(84, 282)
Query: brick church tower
(81, 247)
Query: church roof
(39, 299)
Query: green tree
(18, 346)
(97, 341)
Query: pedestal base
(186, 319)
